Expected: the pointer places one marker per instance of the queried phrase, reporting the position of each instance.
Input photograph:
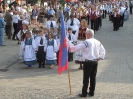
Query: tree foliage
(32, 2)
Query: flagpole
(69, 81)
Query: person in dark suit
(8, 20)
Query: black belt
(1, 27)
(94, 60)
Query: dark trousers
(112, 18)
(105, 13)
(100, 21)
(89, 73)
(116, 23)
(88, 19)
(93, 24)
(67, 15)
(15, 30)
(121, 20)
(97, 24)
(57, 57)
(41, 55)
(59, 20)
(8, 31)
(130, 9)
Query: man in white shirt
(93, 51)
(105, 9)
(51, 23)
(15, 23)
(73, 23)
(122, 10)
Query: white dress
(21, 51)
(29, 51)
(51, 50)
(78, 54)
(126, 15)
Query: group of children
(41, 46)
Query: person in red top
(81, 37)
(93, 18)
(116, 19)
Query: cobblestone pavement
(8, 53)
(114, 77)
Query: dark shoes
(81, 95)
(3, 45)
(43, 66)
(90, 94)
(80, 67)
(39, 67)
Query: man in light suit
(51, 23)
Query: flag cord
(69, 81)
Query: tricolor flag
(63, 50)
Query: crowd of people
(16, 19)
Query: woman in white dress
(81, 38)
(29, 48)
(51, 50)
(21, 36)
